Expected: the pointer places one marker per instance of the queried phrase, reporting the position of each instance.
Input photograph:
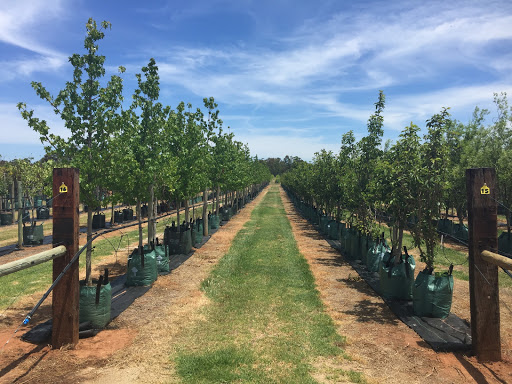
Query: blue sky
(290, 77)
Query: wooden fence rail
(496, 259)
(27, 262)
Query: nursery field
(265, 300)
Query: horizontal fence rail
(496, 259)
(27, 262)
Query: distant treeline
(278, 166)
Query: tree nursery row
(414, 184)
(141, 152)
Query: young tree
(187, 143)
(325, 183)
(148, 143)
(399, 183)
(370, 152)
(88, 110)
(431, 183)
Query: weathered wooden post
(483, 276)
(65, 300)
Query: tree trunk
(395, 251)
(112, 218)
(460, 214)
(32, 204)
(139, 219)
(151, 214)
(217, 199)
(400, 241)
(178, 206)
(13, 209)
(88, 252)
(186, 212)
(205, 212)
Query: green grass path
(265, 322)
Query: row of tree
(413, 181)
(143, 152)
(35, 177)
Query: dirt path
(381, 346)
(136, 346)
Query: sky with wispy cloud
(290, 77)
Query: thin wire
(9, 339)
(28, 214)
(446, 257)
(452, 237)
(12, 302)
(500, 203)
(478, 269)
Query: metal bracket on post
(66, 225)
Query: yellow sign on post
(485, 190)
(63, 188)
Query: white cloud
(18, 16)
(18, 21)
(15, 129)
(343, 55)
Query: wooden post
(65, 302)
(20, 217)
(483, 276)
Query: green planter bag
(333, 230)
(162, 260)
(138, 275)
(324, 222)
(363, 247)
(33, 234)
(345, 240)
(97, 313)
(354, 247)
(172, 240)
(445, 226)
(432, 294)
(6, 218)
(460, 231)
(198, 233)
(396, 281)
(505, 243)
(185, 244)
(341, 233)
(214, 220)
(374, 256)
